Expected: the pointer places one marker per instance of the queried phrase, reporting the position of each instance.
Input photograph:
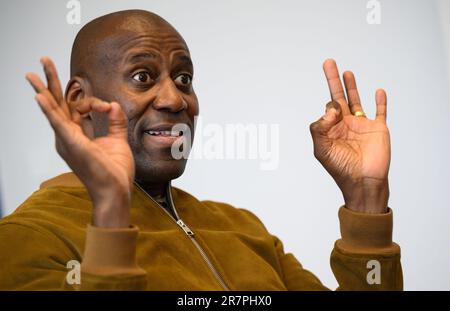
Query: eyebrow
(139, 57)
(184, 59)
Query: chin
(157, 171)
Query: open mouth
(164, 133)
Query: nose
(169, 97)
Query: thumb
(332, 116)
(118, 122)
(321, 127)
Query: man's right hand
(105, 164)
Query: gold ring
(359, 114)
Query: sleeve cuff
(366, 233)
(111, 251)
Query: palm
(359, 148)
(111, 154)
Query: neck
(154, 189)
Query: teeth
(164, 133)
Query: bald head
(95, 42)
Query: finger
(333, 113)
(118, 122)
(35, 82)
(86, 105)
(381, 100)
(100, 105)
(332, 116)
(79, 111)
(82, 108)
(40, 88)
(56, 118)
(335, 85)
(321, 128)
(53, 83)
(354, 101)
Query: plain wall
(260, 62)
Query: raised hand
(352, 148)
(105, 164)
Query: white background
(260, 62)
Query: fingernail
(330, 115)
(42, 59)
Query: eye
(142, 76)
(183, 80)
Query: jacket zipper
(190, 234)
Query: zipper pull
(185, 228)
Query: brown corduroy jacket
(211, 246)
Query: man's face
(148, 71)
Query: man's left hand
(355, 150)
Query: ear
(77, 89)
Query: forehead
(141, 37)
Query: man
(131, 84)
